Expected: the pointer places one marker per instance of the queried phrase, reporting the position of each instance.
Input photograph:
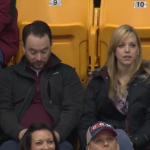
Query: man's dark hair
(37, 28)
(25, 143)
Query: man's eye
(33, 52)
(43, 52)
(110, 139)
(99, 140)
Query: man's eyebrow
(45, 48)
(32, 49)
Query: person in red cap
(101, 136)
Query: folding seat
(114, 13)
(12, 61)
(71, 24)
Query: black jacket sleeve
(142, 136)
(90, 113)
(8, 119)
(72, 104)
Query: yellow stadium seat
(93, 53)
(71, 24)
(12, 62)
(114, 13)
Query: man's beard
(34, 66)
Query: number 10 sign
(140, 4)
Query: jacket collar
(100, 72)
(21, 67)
(104, 73)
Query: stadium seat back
(114, 13)
(70, 23)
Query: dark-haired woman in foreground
(39, 136)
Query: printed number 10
(55, 2)
(140, 4)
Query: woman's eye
(133, 45)
(120, 45)
(38, 143)
(50, 142)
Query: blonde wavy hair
(121, 34)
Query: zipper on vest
(25, 101)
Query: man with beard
(39, 89)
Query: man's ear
(51, 44)
(87, 147)
(23, 46)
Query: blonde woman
(119, 93)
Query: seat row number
(140, 4)
(54, 2)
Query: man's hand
(57, 136)
(21, 133)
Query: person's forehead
(38, 43)
(128, 38)
(33, 37)
(40, 133)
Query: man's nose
(38, 57)
(105, 143)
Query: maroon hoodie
(9, 33)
